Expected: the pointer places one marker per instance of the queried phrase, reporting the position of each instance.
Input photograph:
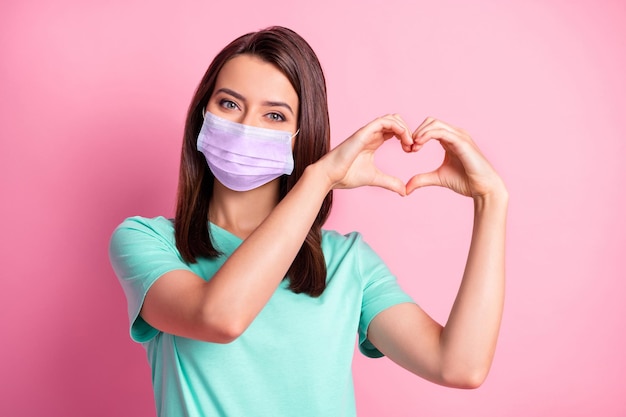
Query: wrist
(316, 175)
(498, 198)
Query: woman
(244, 305)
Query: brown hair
(293, 56)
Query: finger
(393, 125)
(427, 122)
(430, 124)
(422, 180)
(406, 141)
(449, 139)
(390, 183)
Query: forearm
(244, 284)
(469, 338)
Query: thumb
(390, 183)
(422, 180)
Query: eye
(228, 104)
(276, 117)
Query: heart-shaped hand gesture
(464, 169)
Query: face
(255, 93)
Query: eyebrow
(265, 103)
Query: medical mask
(244, 157)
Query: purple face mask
(244, 157)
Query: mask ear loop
(203, 112)
(294, 135)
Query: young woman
(246, 307)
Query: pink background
(93, 98)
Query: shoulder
(341, 247)
(334, 241)
(140, 231)
(158, 224)
(353, 252)
(137, 224)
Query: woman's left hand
(459, 354)
(464, 168)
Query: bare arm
(459, 354)
(220, 309)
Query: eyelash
(224, 103)
(273, 116)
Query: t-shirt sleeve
(381, 291)
(141, 250)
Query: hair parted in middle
(294, 57)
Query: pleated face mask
(244, 157)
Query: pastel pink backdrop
(93, 98)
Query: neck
(241, 212)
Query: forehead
(256, 79)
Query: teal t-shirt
(293, 360)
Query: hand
(464, 169)
(351, 164)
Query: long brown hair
(292, 55)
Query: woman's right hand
(351, 163)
